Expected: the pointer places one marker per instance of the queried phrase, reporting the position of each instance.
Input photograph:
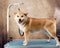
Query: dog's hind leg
(46, 32)
(49, 37)
(51, 31)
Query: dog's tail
(54, 19)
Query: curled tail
(54, 19)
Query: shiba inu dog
(26, 24)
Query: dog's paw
(24, 44)
(48, 40)
(57, 44)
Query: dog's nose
(19, 19)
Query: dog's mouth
(20, 21)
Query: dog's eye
(17, 16)
(21, 16)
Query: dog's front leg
(25, 38)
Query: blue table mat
(34, 42)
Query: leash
(8, 15)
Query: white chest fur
(22, 28)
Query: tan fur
(33, 23)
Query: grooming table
(35, 43)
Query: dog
(26, 24)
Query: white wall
(35, 8)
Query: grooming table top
(32, 43)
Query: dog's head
(20, 16)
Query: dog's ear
(25, 14)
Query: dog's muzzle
(20, 21)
